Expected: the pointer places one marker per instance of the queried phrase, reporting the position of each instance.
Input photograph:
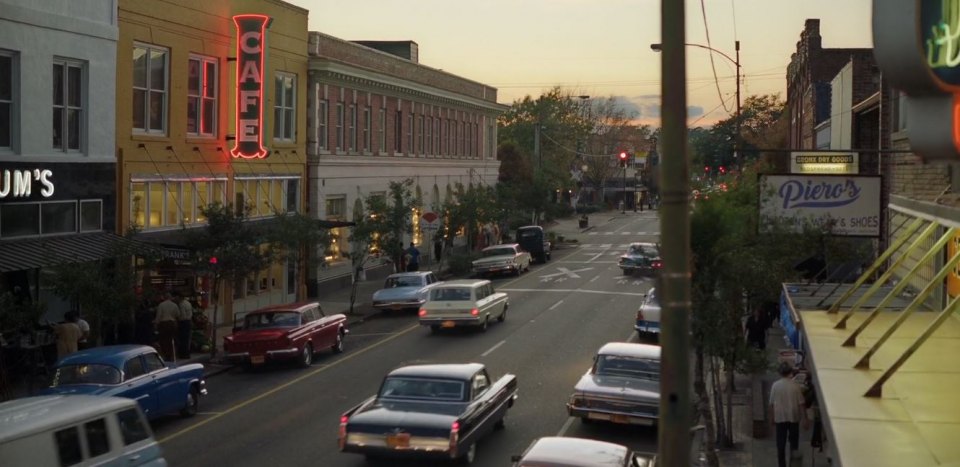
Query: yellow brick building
(176, 106)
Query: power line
(722, 104)
(713, 66)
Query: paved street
(560, 314)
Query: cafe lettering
(251, 35)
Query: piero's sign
(844, 205)
(251, 49)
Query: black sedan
(641, 257)
(437, 411)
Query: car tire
(586, 420)
(306, 356)
(193, 403)
(485, 324)
(338, 344)
(471, 455)
(503, 315)
(501, 424)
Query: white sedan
(498, 259)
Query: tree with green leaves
(475, 206)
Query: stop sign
(430, 217)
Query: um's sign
(251, 40)
(845, 205)
(917, 47)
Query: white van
(76, 430)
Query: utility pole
(736, 142)
(536, 147)
(675, 404)
(624, 210)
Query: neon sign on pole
(251, 35)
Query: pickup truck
(435, 411)
(531, 238)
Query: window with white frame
(367, 144)
(421, 148)
(382, 131)
(397, 132)
(158, 203)
(322, 123)
(150, 78)
(339, 126)
(428, 134)
(285, 107)
(353, 127)
(451, 137)
(68, 104)
(468, 129)
(410, 133)
(202, 96)
(6, 98)
(436, 135)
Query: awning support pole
(876, 264)
(902, 284)
(936, 282)
(842, 324)
(877, 389)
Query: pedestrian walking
(756, 330)
(414, 263)
(166, 321)
(787, 411)
(84, 326)
(184, 326)
(68, 335)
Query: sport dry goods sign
(823, 162)
(251, 41)
(849, 205)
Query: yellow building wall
(187, 27)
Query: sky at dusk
(599, 48)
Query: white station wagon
(463, 303)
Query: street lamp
(736, 62)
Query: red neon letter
(251, 30)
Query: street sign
(429, 221)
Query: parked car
(532, 239)
(497, 259)
(648, 316)
(76, 430)
(285, 332)
(404, 291)
(622, 386)
(641, 257)
(554, 451)
(133, 371)
(467, 302)
(437, 411)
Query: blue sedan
(133, 371)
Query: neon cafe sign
(251, 38)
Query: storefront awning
(32, 253)
(884, 356)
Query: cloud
(694, 111)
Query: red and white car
(285, 332)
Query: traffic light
(623, 158)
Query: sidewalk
(762, 452)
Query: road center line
(594, 278)
(566, 426)
(555, 305)
(488, 352)
(286, 385)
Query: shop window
(382, 131)
(17, 220)
(203, 199)
(68, 103)
(339, 126)
(155, 197)
(367, 144)
(138, 204)
(322, 136)
(149, 89)
(202, 96)
(58, 217)
(7, 81)
(265, 204)
(91, 215)
(219, 193)
(293, 195)
(285, 107)
(173, 204)
(278, 202)
(186, 203)
(240, 196)
(353, 128)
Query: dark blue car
(133, 371)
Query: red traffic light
(623, 155)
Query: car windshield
(284, 319)
(528, 233)
(618, 365)
(85, 374)
(422, 388)
(648, 251)
(498, 252)
(403, 281)
(450, 294)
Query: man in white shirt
(184, 325)
(787, 410)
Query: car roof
(462, 283)
(114, 355)
(527, 227)
(655, 245)
(460, 371)
(628, 349)
(502, 245)
(23, 417)
(410, 274)
(298, 307)
(574, 452)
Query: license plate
(448, 324)
(620, 419)
(257, 359)
(398, 441)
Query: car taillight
(423, 312)
(475, 312)
(639, 315)
(454, 438)
(657, 264)
(343, 431)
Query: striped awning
(32, 253)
